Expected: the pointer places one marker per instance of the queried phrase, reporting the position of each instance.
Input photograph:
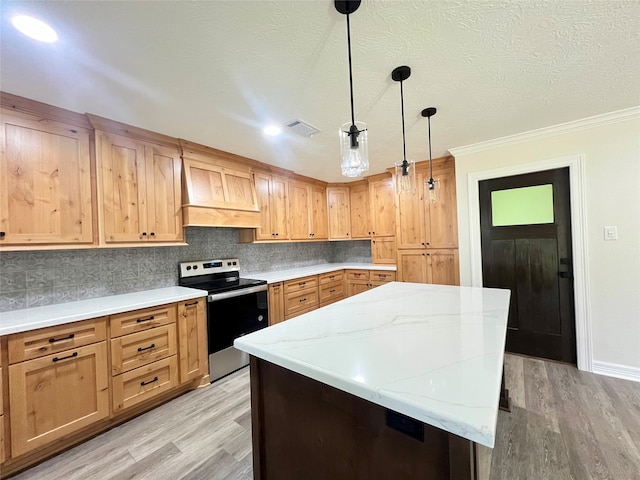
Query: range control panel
(194, 269)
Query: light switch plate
(610, 233)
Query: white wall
(611, 149)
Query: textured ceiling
(214, 72)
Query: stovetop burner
(215, 276)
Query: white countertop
(18, 321)
(283, 275)
(432, 352)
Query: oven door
(229, 316)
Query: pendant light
(432, 186)
(406, 169)
(353, 136)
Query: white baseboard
(614, 370)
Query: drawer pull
(191, 304)
(153, 345)
(74, 354)
(331, 291)
(146, 319)
(53, 340)
(155, 379)
(303, 299)
(302, 283)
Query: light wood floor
(564, 424)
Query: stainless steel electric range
(235, 306)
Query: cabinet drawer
(138, 349)
(357, 274)
(139, 320)
(45, 341)
(301, 301)
(332, 292)
(331, 277)
(382, 276)
(300, 284)
(300, 312)
(144, 383)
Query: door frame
(584, 346)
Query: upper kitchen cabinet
(360, 214)
(219, 189)
(308, 211)
(139, 189)
(338, 202)
(423, 224)
(273, 200)
(383, 216)
(45, 176)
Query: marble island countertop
(28, 319)
(432, 352)
(290, 274)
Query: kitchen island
(397, 382)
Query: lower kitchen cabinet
(144, 383)
(429, 266)
(56, 395)
(62, 379)
(192, 338)
(359, 281)
(276, 303)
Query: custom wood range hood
(218, 190)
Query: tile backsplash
(30, 279)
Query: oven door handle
(236, 293)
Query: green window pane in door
(522, 206)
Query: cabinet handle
(277, 234)
(332, 291)
(146, 319)
(191, 304)
(153, 345)
(153, 234)
(302, 283)
(73, 355)
(2, 234)
(303, 299)
(155, 379)
(144, 234)
(53, 340)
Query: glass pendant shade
(355, 151)
(405, 176)
(432, 187)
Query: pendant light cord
(404, 146)
(430, 161)
(353, 120)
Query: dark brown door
(526, 247)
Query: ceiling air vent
(302, 128)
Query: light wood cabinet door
(144, 319)
(45, 182)
(164, 194)
(192, 339)
(383, 214)
(300, 227)
(357, 286)
(319, 219)
(53, 396)
(276, 303)
(121, 166)
(138, 349)
(305, 300)
(443, 267)
(383, 250)
(360, 211)
(339, 213)
(443, 220)
(272, 194)
(412, 217)
(412, 266)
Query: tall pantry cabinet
(427, 234)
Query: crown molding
(575, 125)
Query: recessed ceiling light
(34, 28)
(272, 130)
